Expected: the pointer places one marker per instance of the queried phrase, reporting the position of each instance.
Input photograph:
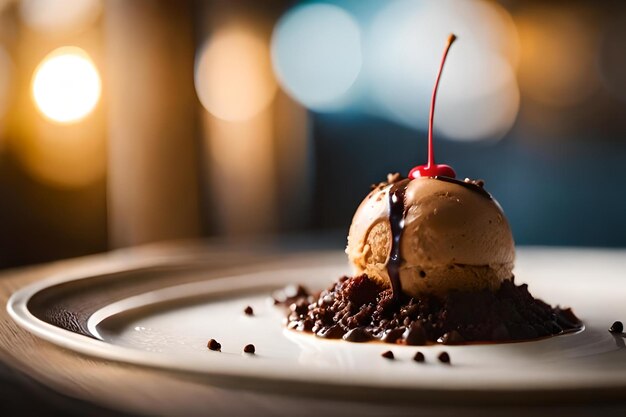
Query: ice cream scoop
(431, 235)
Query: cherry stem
(431, 152)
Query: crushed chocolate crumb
(616, 327)
(248, 311)
(359, 309)
(359, 335)
(394, 335)
(290, 294)
(214, 345)
(478, 183)
(444, 357)
(419, 357)
(415, 335)
(452, 338)
(249, 349)
(387, 355)
(394, 177)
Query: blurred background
(128, 122)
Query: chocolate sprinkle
(387, 355)
(616, 327)
(444, 357)
(249, 311)
(214, 345)
(249, 349)
(419, 357)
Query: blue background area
(554, 191)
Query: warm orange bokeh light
(6, 69)
(558, 66)
(234, 78)
(66, 85)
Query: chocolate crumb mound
(248, 311)
(359, 310)
(249, 349)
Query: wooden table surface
(38, 378)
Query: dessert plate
(161, 313)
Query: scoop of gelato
(453, 236)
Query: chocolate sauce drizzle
(397, 212)
(396, 221)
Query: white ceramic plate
(166, 325)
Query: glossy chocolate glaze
(396, 222)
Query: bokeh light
(4, 3)
(233, 76)
(559, 58)
(6, 70)
(316, 52)
(59, 17)
(612, 58)
(66, 85)
(64, 156)
(479, 96)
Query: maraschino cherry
(431, 169)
